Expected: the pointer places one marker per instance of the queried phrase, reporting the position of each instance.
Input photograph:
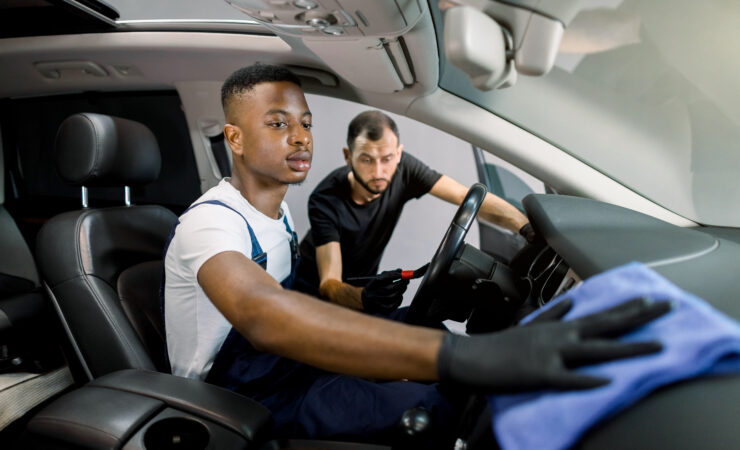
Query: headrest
(99, 150)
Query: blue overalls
(307, 402)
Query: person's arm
(331, 287)
(494, 209)
(382, 294)
(536, 356)
(305, 329)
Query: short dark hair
(243, 80)
(372, 123)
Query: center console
(135, 409)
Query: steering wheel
(425, 305)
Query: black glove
(384, 293)
(527, 232)
(539, 355)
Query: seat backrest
(138, 289)
(20, 303)
(90, 258)
(17, 270)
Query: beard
(365, 184)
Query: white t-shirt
(195, 328)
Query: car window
(506, 180)
(643, 91)
(34, 191)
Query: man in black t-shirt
(354, 210)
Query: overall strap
(258, 255)
(287, 227)
(294, 254)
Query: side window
(512, 184)
(34, 191)
(505, 180)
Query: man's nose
(379, 169)
(300, 136)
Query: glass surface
(644, 91)
(509, 182)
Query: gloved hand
(539, 355)
(528, 233)
(384, 293)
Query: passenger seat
(32, 368)
(103, 266)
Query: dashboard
(585, 237)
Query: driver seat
(102, 267)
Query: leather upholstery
(236, 412)
(83, 253)
(99, 150)
(102, 242)
(138, 288)
(17, 270)
(111, 411)
(97, 418)
(20, 306)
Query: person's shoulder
(216, 208)
(336, 176)
(332, 182)
(407, 159)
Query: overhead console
(337, 19)
(362, 41)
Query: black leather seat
(27, 331)
(18, 276)
(103, 266)
(24, 328)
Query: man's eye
(365, 160)
(278, 124)
(307, 126)
(387, 159)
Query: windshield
(644, 91)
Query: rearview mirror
(477, 45)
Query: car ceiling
(156, 56)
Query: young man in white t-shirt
(231, 321)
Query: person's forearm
(341, 293)
(340, 340)
(502, 213)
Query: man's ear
(233, 136)
(347, 156)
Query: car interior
(111, 125)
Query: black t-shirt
(362, 231)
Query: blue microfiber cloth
(697, 340)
